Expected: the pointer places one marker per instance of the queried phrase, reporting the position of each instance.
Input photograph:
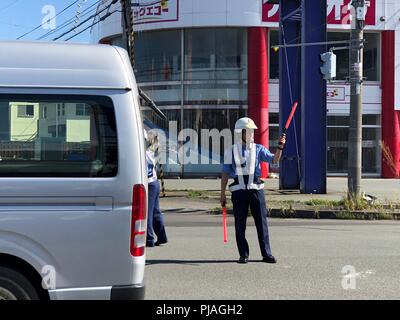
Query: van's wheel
(15, 286)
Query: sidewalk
(188, 196)
(383, 189)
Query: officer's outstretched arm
(277, 156)
(278, 153)
(224, 183)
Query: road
(311, 254)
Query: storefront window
(371, 60)
(371, 55)
(214, 84)
(212, 54)
(338, 135)
(273, 55)
(158, 56)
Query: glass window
(371, 55)
(215, 53)
(56, 146)
(228, 48)
(82, 110)
(342, 56)
(273, 55)
(158, 56)
(208, 119)
(342, 120)
(338, 135)
(200, 48)
(26, 111)
(371, 60)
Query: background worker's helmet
(151, 140)
(243, 124)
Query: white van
(73, 180)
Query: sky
(18, 17)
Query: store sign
(336, 93)
(338, 12)
(147, 11)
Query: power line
(93, 24)
(9, 5)
(39, 26)
(13, 25)
(86, 20)
(71, 20)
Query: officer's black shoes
(269, 259)
(243, 260)
(159, 243)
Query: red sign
(338, 12)
(152, 11)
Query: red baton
(224, 223)
(289, 120)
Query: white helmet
(244, 123)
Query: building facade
(199, 59)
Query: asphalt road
(311, 254)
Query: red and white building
(208, 62)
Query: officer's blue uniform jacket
(262, 155)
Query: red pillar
(390, 117)
(258, 85)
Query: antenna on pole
(78, 14)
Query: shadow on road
(188, 262)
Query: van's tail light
(139, 214)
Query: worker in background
(155, 221)
(242, 163)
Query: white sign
(338, 12)
(336, 93)
(153, 11)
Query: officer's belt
(257, 184)
(152, 179)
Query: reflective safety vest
(151, 166)
(245, 168)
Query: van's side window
(57, 136)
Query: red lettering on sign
(158, 11)
(338, 12)
(149, 11)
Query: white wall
(339, 102)
(245, 13)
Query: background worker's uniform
(155, 221)
(243, 165)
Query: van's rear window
(57, 136)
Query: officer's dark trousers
(155, 221)
(255, 199)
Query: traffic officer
(242, 163)
(155, 221)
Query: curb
(323, 214)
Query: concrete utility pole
(128, 29)
(356, 80)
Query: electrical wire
(39, 26)
(71, 20)
(93, 24)
(86, 20)
(9, 5)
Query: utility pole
(128, 30)
(356, 80)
